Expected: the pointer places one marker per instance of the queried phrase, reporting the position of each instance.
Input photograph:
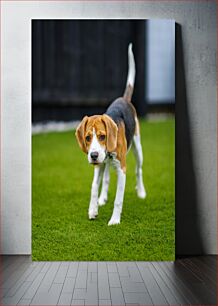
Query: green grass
(61, 183)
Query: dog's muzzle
(94, 156)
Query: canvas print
(103, 140)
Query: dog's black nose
(94, 155)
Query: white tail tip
(131, 71)
(130, 48)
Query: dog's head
(96, 136)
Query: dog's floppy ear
(80, 133)
(111, 130)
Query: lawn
(61, 184)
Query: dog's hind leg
(137, 149)
(105, 185)
(93, 206)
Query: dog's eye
(88, 138)
(102, 137)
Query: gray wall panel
(196, 126)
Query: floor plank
(172, 281)
(103, 282)
(48, 298)
(18, 263)
(29, 275)
(202, 270)
(187, 281)
(195, 290)
(12, 276)
(168, 292)
(153, 289)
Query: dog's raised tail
(131, 75)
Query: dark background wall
(80, 66)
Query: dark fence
(80, 66)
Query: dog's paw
(141, 193)
(102, 201)
(92, 214)
(114, 220)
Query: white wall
(198, 21)
(160, 61)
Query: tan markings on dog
(84, 132)
(128, 93)
(111, 130)
(108, 134)
(121, 149)
(137, 127)
(95, 123)
(80, 134)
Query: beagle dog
(106, 140)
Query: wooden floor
(188, 281)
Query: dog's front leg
(105, 185)
(118, 203)
(93, 206)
